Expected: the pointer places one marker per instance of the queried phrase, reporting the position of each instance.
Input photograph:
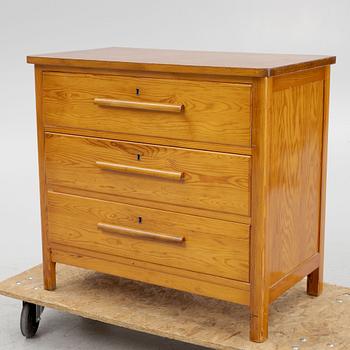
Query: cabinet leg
(259, 320)
(49, 268)
(315, 283)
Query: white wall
(27, 27)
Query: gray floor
(64, 331)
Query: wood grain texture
(212, 112)
(259, 268)
(177, 61)
(145, 74)
(315, 279)
(135, 170)
(165, 141)
(293, 277)
(182, 316)
(155, 205)
(139, 105)
(180, 282)
(137, 233)
(295, 176)
(212, 181)
(181, 276)
(223, 153)
(210, 246)
(49, 267)
(297, 79)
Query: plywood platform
(295, 319)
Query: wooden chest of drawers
(203, 172)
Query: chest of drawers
(203, 172)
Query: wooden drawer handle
(139, 233)
(148, 106)
(169, 175)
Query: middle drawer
(188, 178)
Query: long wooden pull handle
(148, 106)
(169, 175)
(139, 233)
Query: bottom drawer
(204, 245)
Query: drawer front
(195, 179)
(210, 112)
(209, 246)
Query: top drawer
(199, 111)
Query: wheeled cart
(298, 321)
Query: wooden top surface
(177, 61)
(193, 319)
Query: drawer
(189, 178)
(209, 246)
(199, 111)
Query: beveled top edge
(179, 61)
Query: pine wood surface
(49, 267)
(224, 63)
(223, 161)
(259, 295)
(210, 246)
(139, 105)
(212, 181)
(185, 317)
(315, 279)
(295, 175)
(166, 276)
(211, 112)
(287, 142)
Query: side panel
(315, 279)
(49, 267)
(296, 138)
(259, 273)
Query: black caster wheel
(30, 319)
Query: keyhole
(138, 92)
(139, 219)
(138, 157)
